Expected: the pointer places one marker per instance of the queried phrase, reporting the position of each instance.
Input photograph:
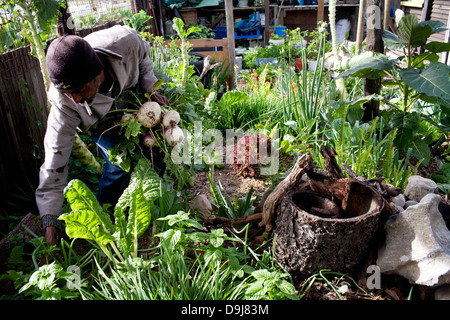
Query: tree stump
(313, 232)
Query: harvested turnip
(173, 135)
(128, 117)
(149, 114)
(148, 140)
(171, 119)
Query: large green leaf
(421, 150)
(436, 46)
(407, 125)
(139, 215)
(80, 198)
(436, 26)
(391, 40)
(145, 174)
(411, 33)
(137, 200)
(84, 224)
(371, 68)
(432, 81)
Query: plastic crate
(250, 35)
(221, 32)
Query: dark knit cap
(71, 62)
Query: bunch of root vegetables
(150, 115)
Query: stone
(417, 245)
(418, 187)
(399, 200)
(410, 203)
(202, 203)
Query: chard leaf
(81, 198)
(150, 183)
(84, 224)
(139, 215)
(137, 199)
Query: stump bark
(328, 222)
(307, 242)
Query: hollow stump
(307, 242)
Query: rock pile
(417, 244)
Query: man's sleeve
(58, 143)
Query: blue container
(280, 31)
(314, 2)
(249, 35)
(221, 32)
(301, 2)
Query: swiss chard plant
(132, 213)
(419, 79)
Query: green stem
(390, 104)
(113, 245)
(37, 42)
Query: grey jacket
(127, 54)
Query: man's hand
(50, 235)
(160, 99)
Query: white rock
(417, 244)
(399, 200)
(410, 203)
(418, 187)
(202, 203)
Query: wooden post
(229, 16)
(162, 16)
(426, 11)
(320, 10)
(374, 44)
(154, 21)
(387, 13)
(426, 15)
(360, 29)
(445, 58)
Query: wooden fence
(23, 117)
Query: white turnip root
(171, 119)
(128, 117)
(148, 140)
(149, 114)
(173, 135)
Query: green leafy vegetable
(132, 213)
